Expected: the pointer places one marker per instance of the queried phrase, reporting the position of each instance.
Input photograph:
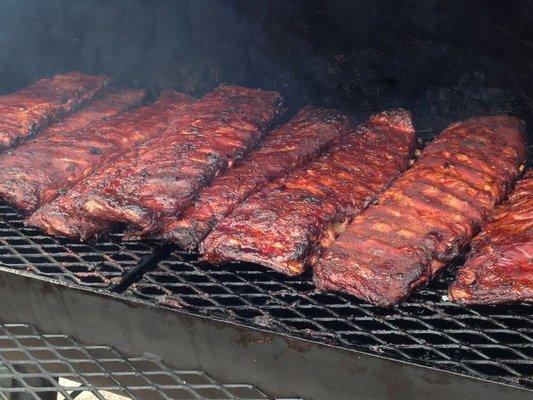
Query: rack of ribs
(31, 109)
(499, 268)
(288, 224)
(148, 186)
(164, 174)
(308, 134)
(427, 216)
(40, 170)
(34, 172)
(109, 103)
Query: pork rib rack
(147, 186)
(94, 147)
(308, 134)
(109, 103)
(162, 175)
(33, 173)
(500, 264)
(428, 215)
(31, 109)
(286, 225)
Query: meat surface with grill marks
(159, 177)
(33, 173)
(147, 186)
(286, 225)
(72, 158)
(429, 214)
(308, 134)
(499, 268)
(31, 109)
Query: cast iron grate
(491, 342)
(98, 265)
(43, 366)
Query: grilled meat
(31, 109)
(159, 180)
(33, 173)
(428, 215)
(287, 224)
(108, 104)
(500, 264)
(309, 133)
(91, 149)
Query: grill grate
(58, 367)
(491, 342)
(98, 265)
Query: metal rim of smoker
(278, 363)
(55, 366)
(491, 342)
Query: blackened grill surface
(309, 133)
(490, 342)
(32, 108)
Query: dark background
(443, 60)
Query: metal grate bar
(144, 265)
(47, 366)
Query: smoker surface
(424, 330)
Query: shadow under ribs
(32, 108)
(32, 174)
(287, 224)
(74, 157)
(500, 265)
(308, 134)
(429, 214)
(156, 182)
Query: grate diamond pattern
(97, 265)
(57, 367)
(493, 342)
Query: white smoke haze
(444, 60)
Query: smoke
(444, 60)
